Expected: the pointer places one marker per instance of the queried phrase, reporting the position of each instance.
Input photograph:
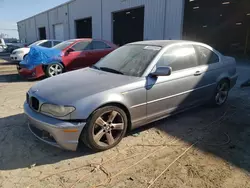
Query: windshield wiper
(95, 67)
(110, 70)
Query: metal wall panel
(59, 15)
(22, 31)
(153, 20)
(43, 21)
(163, 18)
(83, 9)
(26, 29)
(174, 19)
(30, 29)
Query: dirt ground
(203, 148)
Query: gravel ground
(203, 147)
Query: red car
(76, 54)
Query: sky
(12, 11)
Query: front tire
(54, 69)
(105, 128)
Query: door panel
(183, 88)
(75, 59)
(173, 93)
(99, 54)
(72, 60)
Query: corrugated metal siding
(157, 12)
(59, 15)
(174, 19)
(153, 21)
(43, 21)
(22, 31)
(83, 9)
(30, 29)
(163, 18)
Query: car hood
(22, 49)
(70, 87)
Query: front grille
(34, 103)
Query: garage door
(58, 32)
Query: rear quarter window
(206, 56)
(179, 57)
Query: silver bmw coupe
(134, 85)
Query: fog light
(34, 74)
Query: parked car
(136, 84)
(20, 53)
(11, 47)
(3, 45)
(75, 54)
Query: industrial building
(224, 24)
(120, 21)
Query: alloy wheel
(222, 93)
(108, 128)
(55, 70)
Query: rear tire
(54, 69)
(221, 93)
(105, 128)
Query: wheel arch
(120, 105)
(46, 65)
(224, 77)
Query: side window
(99, 45)
(80, 46)
(47, 44)
(206, 56)
(179, 57)
(56, 42)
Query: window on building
(179, 58)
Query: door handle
(197, 73)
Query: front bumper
(55, 132)
(37, 72)
(16, 57)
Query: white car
(20, 53)
(2, 45)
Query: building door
(42, 33)
(84, 28)
(58, 32)
(128, 26)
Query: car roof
(164, 43)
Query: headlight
(17, 52)
(56, 110)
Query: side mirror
(69, 51)
(162, 71)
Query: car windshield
(64, 44)
(34, 44)
(130, 60)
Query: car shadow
(11, 77)
(222, 132)
(14, 77)
(19, 148)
